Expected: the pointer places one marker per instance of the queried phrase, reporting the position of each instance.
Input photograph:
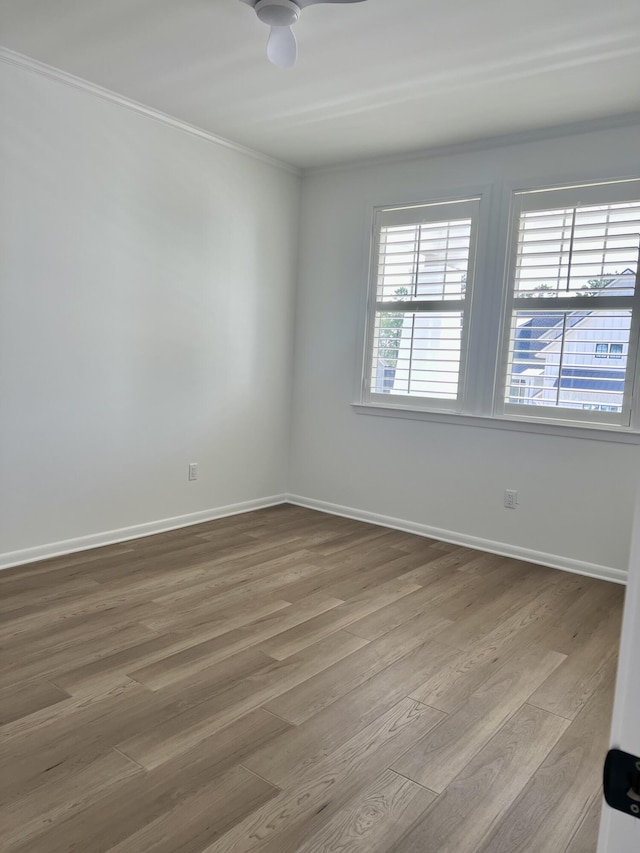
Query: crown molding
(556, 131)
(11, 57)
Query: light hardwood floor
(290, 682)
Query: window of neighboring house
(594, 408)
(422, 275)
(609, 350)
(518, 390)
(388, 377)
(572, 283)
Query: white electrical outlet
(193, 470)
(510, 498)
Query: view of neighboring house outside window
(557, 356)
(574, 302)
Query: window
(572, 289)
(555, 342)
(609, 350)
(594, 408)
(422, 275)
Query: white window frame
(487, 319)
(545, 199)
(464, 206)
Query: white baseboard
(528, 555)
(124, 534)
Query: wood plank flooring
(291, 682)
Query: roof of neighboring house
(528, 339)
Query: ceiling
(375, 78)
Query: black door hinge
(622, 781)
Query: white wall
(146, 306)
(576, 495)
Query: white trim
(137, 531)
(553, 561)
(556, 131)
(584, 431)
(13, 58)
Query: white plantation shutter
(573, 304)
(553, 342)
(422, 274)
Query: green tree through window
(391, 332)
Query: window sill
(590, 433)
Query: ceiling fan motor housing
(278, 13)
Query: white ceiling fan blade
(282, 48)
(303, 3)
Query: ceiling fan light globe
(277, 13)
